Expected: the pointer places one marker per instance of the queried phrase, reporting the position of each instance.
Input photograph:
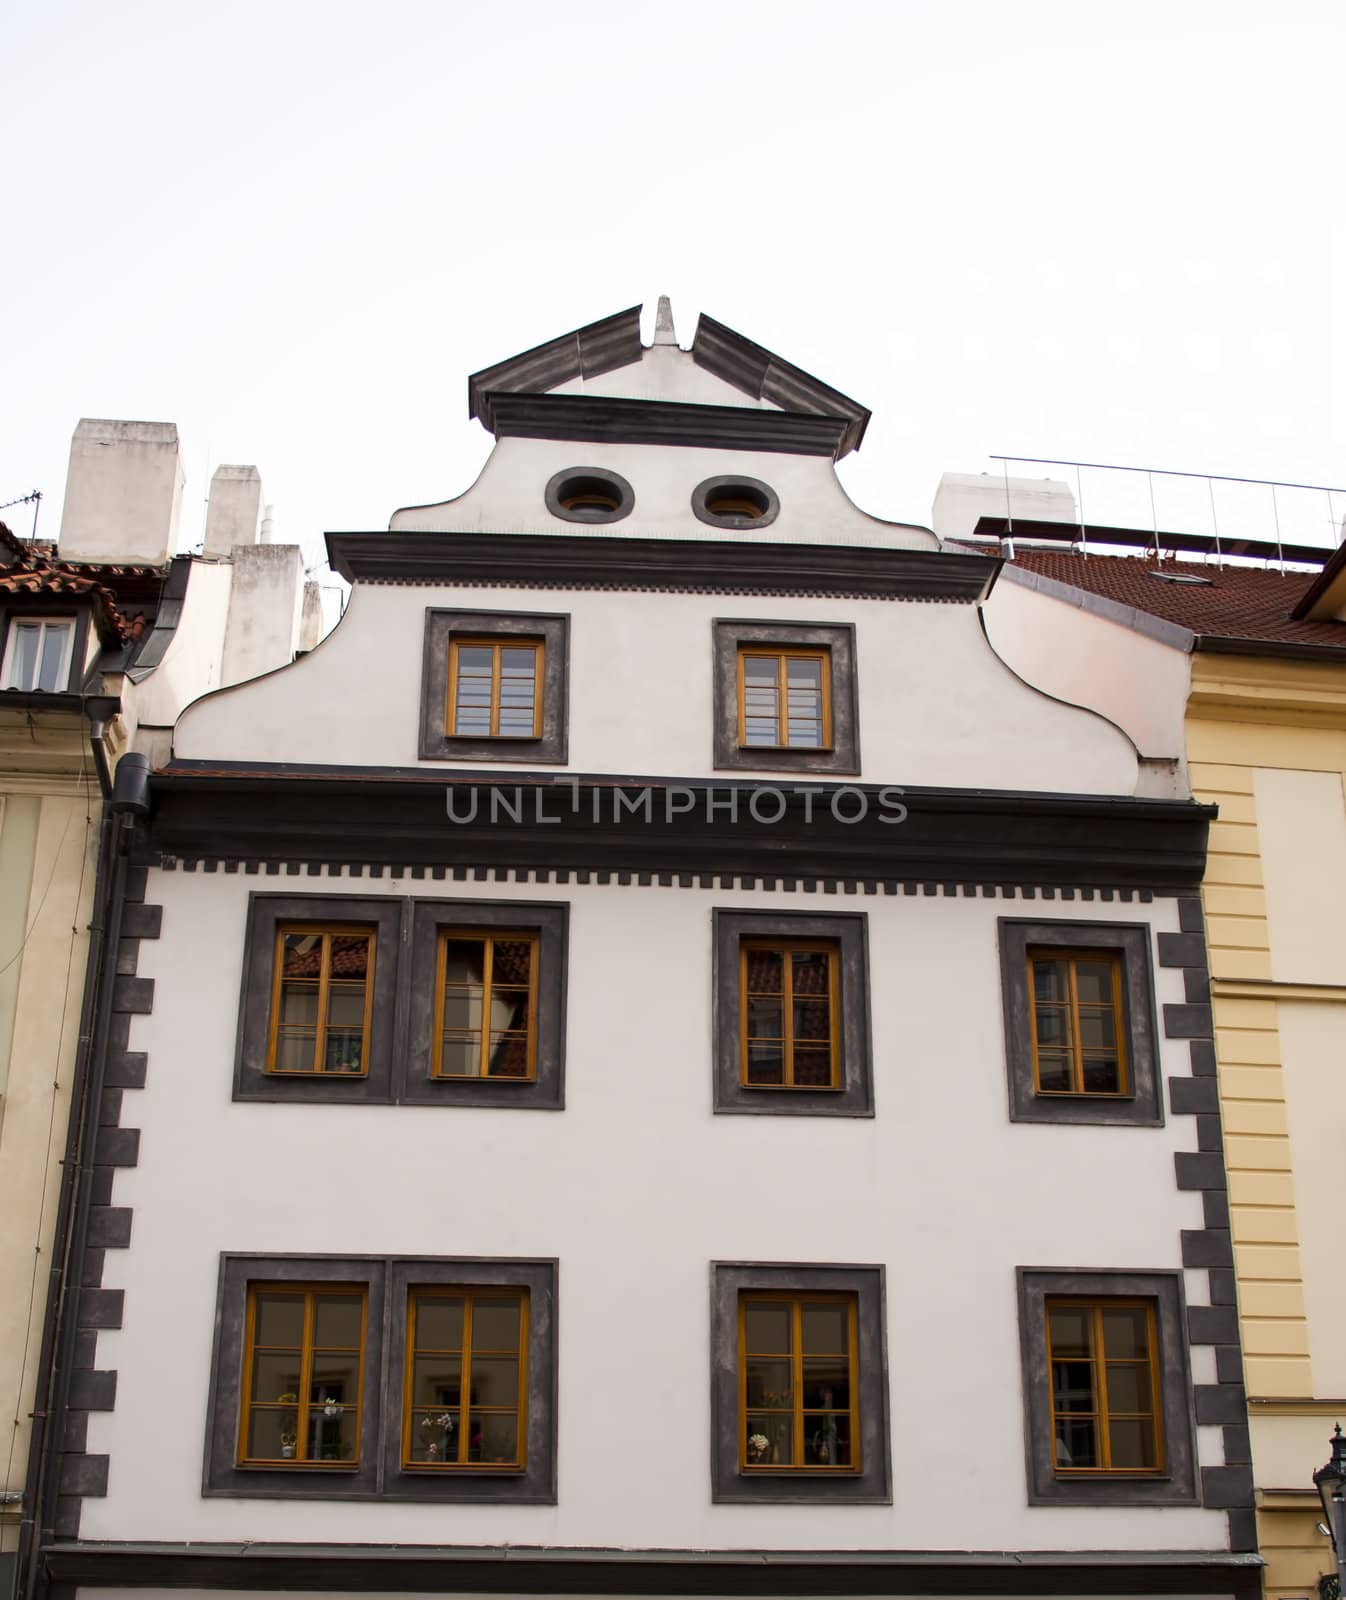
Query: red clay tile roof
(1237, 603)
(32, 568)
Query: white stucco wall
(191, 663)
(636, 1187)
(1062, 645)
(936, 707)
(508, 496)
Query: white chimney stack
(234, 511)
(123, 493)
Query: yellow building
(1266, 742)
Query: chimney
(234, 511)
(123, 493)
(964, 497)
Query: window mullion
(782, 706)
(324, 988)
(797, 1350)
(495, 690)
(1077, 1063)
(487, 979)
(465, 1381)
(787, 989)
(1101, 1384)
(834, 1012)
(825, 682)
(306, 1373)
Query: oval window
(589, 494)
(735, 503)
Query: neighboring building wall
(265, 606)
(1267, 743)
(49, 822)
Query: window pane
(464, 961)
(434, 1435)
(802, 732)
(275, 1375)
(346, 1005)
(51, 674)
(517, 661)
(280, 1319)
(810, 972)
(495, 1325)
(495, 1380)
(813, 1020)
(335, 1381)
(766, 1063)
(761, 731)
(23, 647)
(770, 1440)
(294, 1052)
(1093, 982)
(462, 1008)
(475, 659)
(827, 1440)
(1102, 1075)
(344, 1052)
(439, 1323)
(767, 1327)
(812, 1066)
(513, 961)
(766, 1019)
(336, 1321)
(1132, 1445)
(1070, 1331)
(765, 970)
(1049, 982)
(768, 1384)
(509, 1055)
(1125, 1332)
(761, 669)
(331, 1438)
(826, 1329)
(1053, 1027)
(827, 1384)
(1129, 1387)
(460, 1057)
(437, 1381)
(494, 1440)
(1097, 1030)
(268, 1434)
(1054, 1073)
(1073, 1386)
(1076, 1442)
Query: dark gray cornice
(523, 1570)
(705, 566)
(611, 419)
(818, 834)
(584, 353)
(765, 376)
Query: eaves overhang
(702, 566)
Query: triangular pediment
(607, 360)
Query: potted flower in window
(436, 1431)
(289, 1424)
(759, 1449)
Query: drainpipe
(60, 1325)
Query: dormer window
(38, 653)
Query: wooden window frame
(1072, 958)
(495, 645)
(549, 633)
(328, 931)
(470, 1295)
(783, 655)
(1176, 1481)
(387, 1283)
(732, 1482)
(847, 933)
(798, 1414)
(74, 636)
(837, 641)
(490, 937)
(311, 1292)
(1099, 1362)
(1141, 1104)
(785, 947)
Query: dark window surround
(1143, 1106)
(379, 1474)
(849, 931)
(441, 628)
(626, 495)
(838, 639)
(546, 1089)
(1177, 1484)
(77, 612)
(703, 491)
(403, 1003)
(873, 1484)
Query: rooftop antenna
(1079, 497)
(1154, 519)
(663, 322)
(1007, 543)
(1275, 511)
(1215, 523)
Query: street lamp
(1330, 1482)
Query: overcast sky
(1110, 233)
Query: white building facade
(651, 1062)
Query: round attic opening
(742, 503)
(589, 494)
